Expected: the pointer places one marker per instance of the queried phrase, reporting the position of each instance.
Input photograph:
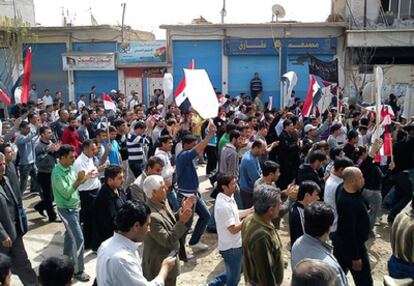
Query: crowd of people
(116, 178)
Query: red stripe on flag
(26, 76)
(307, 105)
(4, 97)
(181, 85)
(106, 97)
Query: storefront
(141, 67)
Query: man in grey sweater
(46, 152)
(313, 244)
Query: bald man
(353, 228)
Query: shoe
(199, 246)
(55, 219)
(82, 277)
(39, 210)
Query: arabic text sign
(105, 61)
(142, 52)
(271, 46)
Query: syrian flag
(27, 70)
(179, 94)
(312, 98)
(386, 110)
(385, 134)
(16, 90)
(108, 103)
(3, 95)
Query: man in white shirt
(228, 230)
(118, 261)
(164, 153)
(89, 189)
(82, 101)
(334, 180)
(47, 98)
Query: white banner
(88, 61)
(200, 93)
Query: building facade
(232, 53)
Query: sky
(149, 15)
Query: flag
(3, 94)
(314, 89)
(108, 103)
(384, 133)
(290, 78)
(27, 70)
(16, 90)
(385, 110)
(326, 99)
(325, 70)
(200, 93)
(167, 86)
(4, 97)
(180, 95)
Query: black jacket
(296, 222)
(306, 173)
(106, 206)
(353, 224)
(372, 174)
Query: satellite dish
(278, 11)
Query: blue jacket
(250, 171)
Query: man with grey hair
(11, 229)
(262, 247)
(353, 228)
(166, 228)
(313, 272)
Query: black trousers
(21, 265)
(87, 199)
(361, 278)
(45, 182)
(211, 152)
(247, 199)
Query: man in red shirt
(70, 135)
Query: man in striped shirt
(137, 143)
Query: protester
(118, 261)
(56, 271)
(308, 193)
(188, 183)
(46, 153)
(166, 230)
(313, 272)
(353, 228)
(313, 244)
(65, 184)
(228, 221)
(262, 248)
(401, 263)
(107, 204)
(250, 171)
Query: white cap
(309, 127)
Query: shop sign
(142, 52)
(271, 46)
(88, 61)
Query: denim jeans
(25, 172)
(172, 200)
(373, 197)
(233, 265)
(73, 246)
(200, 208)
(399, 269)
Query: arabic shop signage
(141, 52)
(267, 47)
(86, 61)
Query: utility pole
(223, 12)
(122, 23)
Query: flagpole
(338, 112)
